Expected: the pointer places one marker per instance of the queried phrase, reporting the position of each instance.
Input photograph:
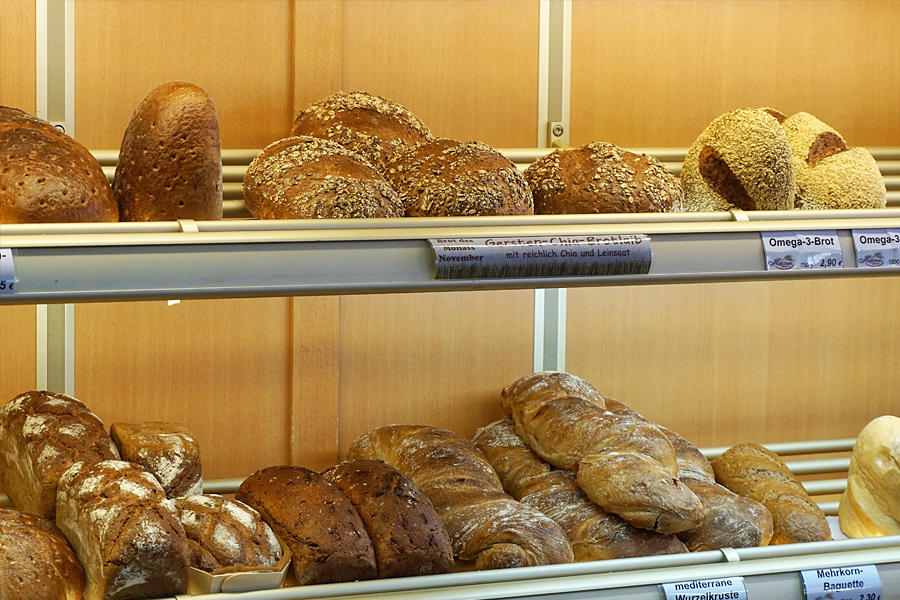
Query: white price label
(842, 583)
(7, 271)
(787, 250)
(727, 588)
(877, 248)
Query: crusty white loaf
(871, 503)
(167, 450)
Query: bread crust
(167, 450)
(870, 505)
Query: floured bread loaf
(741, 160)
(871, 503)
(167, 450)
(827, 173)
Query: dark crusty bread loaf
(601, 178)
(312, 178)
(449, 178)
(226, 534)
(167, 450)
(46, 176)
(170, 164)
(316, 521)
(376, 128)
(36, 561)
(41, 435)
(124, 530)
(406, 533)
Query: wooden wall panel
(17, 48)
(654, 73)
(17, 349)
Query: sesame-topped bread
(601, 178)
(310, 178)
(226, 534)
(124, 530)
(741, 160)
(374, 127)
(167, 450)
(449, 178)
(41, 435)
(828, 173)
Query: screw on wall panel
(557, 129)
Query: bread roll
(170, 163)
(601, 178)
(741, 160)
(124, 530)
(167, 450)
(827, 173)
(48, 177)
(374, 127)
(449, 178)
(485, 525)
(406, 533)
(311, 178)
(42, 434)
(871, 503)
(36, 561)
(325, 534)
(759, 474)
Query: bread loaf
(36, 561)
(759, 474)
(170, 163)
(311, 178)
(325, 534)
(42, 434)
(871, 503)
(593, 533)
(124, 530)
(406, 533)
(376, 128)
(449, 178)
(485, 525)
(167, 450)
(601, 178)
(225, 534)
(48, 177)
(741, 160)
(622, 463)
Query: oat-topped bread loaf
(226, 534)
(828, 173)
(167, 450)
(406, 533)
(741, 160)
(36, 561)
(449, 178)
(41, 435)
(170, 163)
(48, 177)
(374, 127)
(326, 537)
(871, 503)
(124, 530)
(601, 178)
(311, 178)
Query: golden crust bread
(871, 503)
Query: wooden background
(294, 380)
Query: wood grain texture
(317, 51)
(17, 50)
(17, 349)
(656, 72)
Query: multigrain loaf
(871, 503)
(167, 450)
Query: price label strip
(7, 271)
(790, 250)
(876, 248)
(543, 256)
(842, 583)
(728, 588)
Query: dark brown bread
(167, 450)
(601, 178)
(124, 530)
(449, 178)
(48, 177)
(325, 534)
(312, 178)
(170, 164)
(36, 561)
(406, 533)
(42, 434)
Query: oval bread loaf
(871, 503)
